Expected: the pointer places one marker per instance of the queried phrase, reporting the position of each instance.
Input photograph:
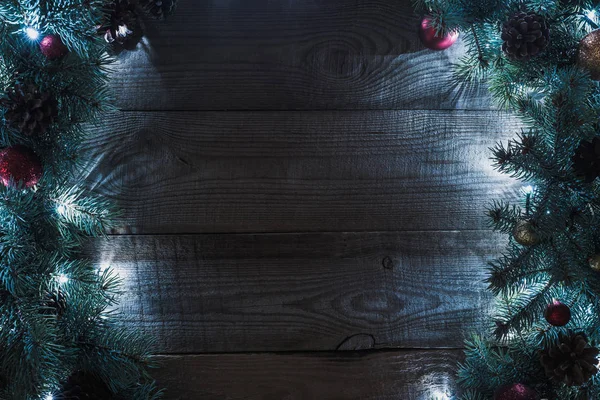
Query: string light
(49, 397)
(62, 278)
(104, 265)
(124, 31)
(32, 33)
(591, 14)
(527, 189)
(439, 395)
(438, 386)
(61, 209)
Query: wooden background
(303, 198)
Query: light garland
(541, 60)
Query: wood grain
(293, 55)
(291, 292)
(406, 375)
(197, 172)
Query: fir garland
(58, 336)
(539, 59)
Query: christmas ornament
(428, 36)
(586, 160)
(28, 109)
(515, 391)
(52, 47)
(525, 35)
(571, 361)
(594, 262)
(20, 164)
(557, 313)
(159, 9)
(589, 54)
(123, 23)
(524, 233)
(83, 385)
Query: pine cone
(159, 9)
(28, 109)
(586, 161)
(571, 361)
(123, 23)
(83, 385)
(525, 35)
(54, 304)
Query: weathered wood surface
(292, 55)
(405, 375)
(315, 140)
(273, 292)
(190, 172)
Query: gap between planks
(311, 352)
(113, 234)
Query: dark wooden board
(197, 172)
(405, 375)
(293, 55)
(407, 283)
(292, 292)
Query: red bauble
(52, 47)
(20, 164)
(557, 313)
(515, 391)
(431, 40)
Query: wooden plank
(292, 292)
(406, 375)
(197, 172)
(293, 55)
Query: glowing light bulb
(590, 311)
(49, 397)
(439, 395)
(61, 209)
(32, 33)
(591, 14)
(104, 266)
(124, 31)
(62, 278)
(527, 189)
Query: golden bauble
(524, 233)
(594, 262)
(589, 54)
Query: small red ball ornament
(557, 313)
(52, 47)
(515, 391)
(429, 38)
(20, 164)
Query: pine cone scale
(84, 385)
(28, 109)
(524, 36)
(123, 23)
(159, 9)
(586, 160)
(572, 361)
